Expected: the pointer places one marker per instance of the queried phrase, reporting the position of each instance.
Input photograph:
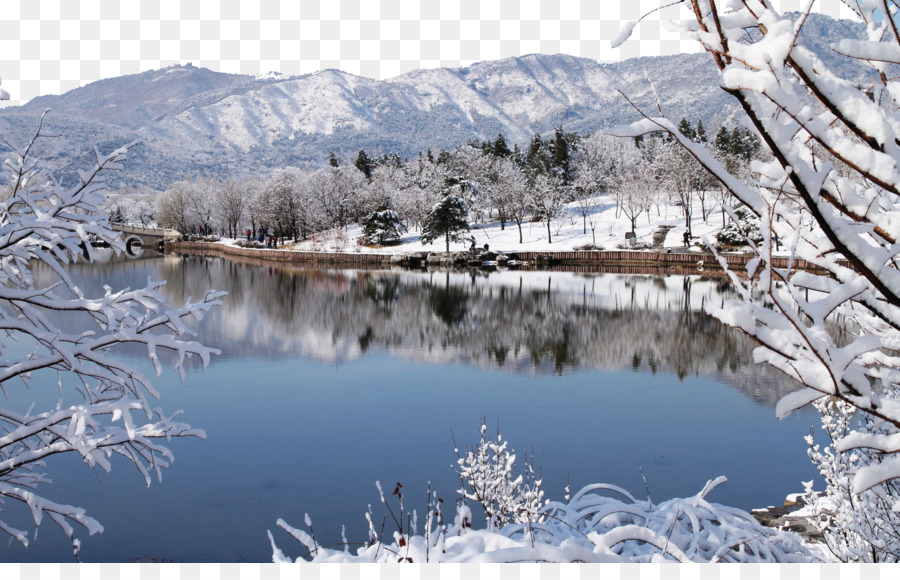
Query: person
(248, 235)
(472, 247)
(687, 238)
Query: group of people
(270, 241)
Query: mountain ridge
(192, 119)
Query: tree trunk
(447, 238)
(519, 223)
(549, 238)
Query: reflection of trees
(596, 322)
(448, 302)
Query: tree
(513, 188)
(231, 204)
(844, 221)
(365, 164)
(447, 218)
(101, 397)
(382, 225)
(547, 198)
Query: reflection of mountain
(520, 322)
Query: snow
(568, 233)
(590, 528)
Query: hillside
(191, 119)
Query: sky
(53, 46)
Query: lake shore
(641, 261)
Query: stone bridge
(142, 236)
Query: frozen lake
(330, 380)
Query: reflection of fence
(656, 259)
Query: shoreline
(637, 260)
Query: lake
(330, 380)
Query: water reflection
(328, 383)
(519, 322)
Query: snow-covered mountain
(192, 119)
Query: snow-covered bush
(382, 225)
(591, 527)
(489, 476)
(738, 232)
(857, 526)
(829, 192)
(101, 399)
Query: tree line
(484, 181)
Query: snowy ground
(568, 234)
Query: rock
(783, 518)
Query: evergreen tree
(447, 218)
(684, 127)
(562, 147)
(700, 133)
(116, 217)
(500, 148)
(537, 156)
(365, 164)
(722, 142)
(382, 225)
(332, 160)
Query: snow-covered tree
(105, 406)
(422, 186)
(172, 207)
(844, 218)
(448, 217)
(593, 165)
(511, 192)
(382, 225)
(547, 198)
(232, 199)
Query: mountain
(191, 119)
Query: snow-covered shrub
(857, 526)
(104, 405)
(589, 527)
(490, 476)
(745, 228)
(382, 225)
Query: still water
(331, 380)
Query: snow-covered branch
(45, 226)
(829, 195)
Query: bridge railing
(144, 231)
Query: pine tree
(700, 133)
(382, 225)
(447, 218)
(560, 148)
(722, 142)
(332, 160)
(365, 164)
(684, 127)
(500, 148)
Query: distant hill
(195, 120)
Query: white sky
(52, 46)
